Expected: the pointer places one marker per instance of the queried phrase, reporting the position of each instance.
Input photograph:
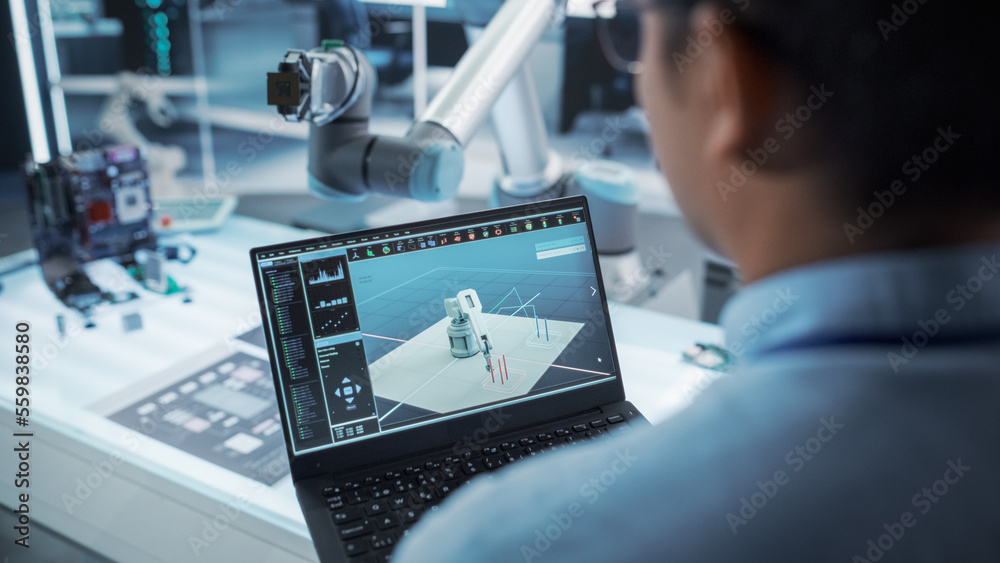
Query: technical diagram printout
(219, 407)
(362, 332)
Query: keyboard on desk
(372, 512)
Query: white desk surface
(157, 503)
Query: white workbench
(134, 499)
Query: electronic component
(709, 356)
(90, 205)
(187, 214)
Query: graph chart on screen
(324, 271)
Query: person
(841, 153)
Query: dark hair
(900, 70)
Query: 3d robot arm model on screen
(468, 326)
(332, 88)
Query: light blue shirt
(862, 425)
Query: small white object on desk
(191, 214)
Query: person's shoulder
(760, 464)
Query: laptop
(412, 359)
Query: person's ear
(737, 83)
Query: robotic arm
(332, 88)
(468, 325)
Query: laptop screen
(390, 329)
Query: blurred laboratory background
(185, 81)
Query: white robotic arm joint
(468, 325)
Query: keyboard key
(619, 428)
(345, 515)
(430, 465)
(380, 491)
(508, 446)
(409, 515)
(398, 501)
(615, 419)
(354, 497)
(403, 485)
(391, 475)
(382, 540)
(598, 423)
(410, 470)
(545, 437)
(356, 529)
(428, 480)
(493, 462)
(335, 502)
(420, 496)
(562, 432)
(375, 507)
(526, 441)
(369, 481)
(492, 450)
(355, 547)
(386, 521)
(351, 485)
(579, 428)
(330, 491)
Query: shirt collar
(885, 295)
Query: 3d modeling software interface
(397, 329)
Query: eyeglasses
(617, 26)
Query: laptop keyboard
(371, 513)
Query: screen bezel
(458, 430)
